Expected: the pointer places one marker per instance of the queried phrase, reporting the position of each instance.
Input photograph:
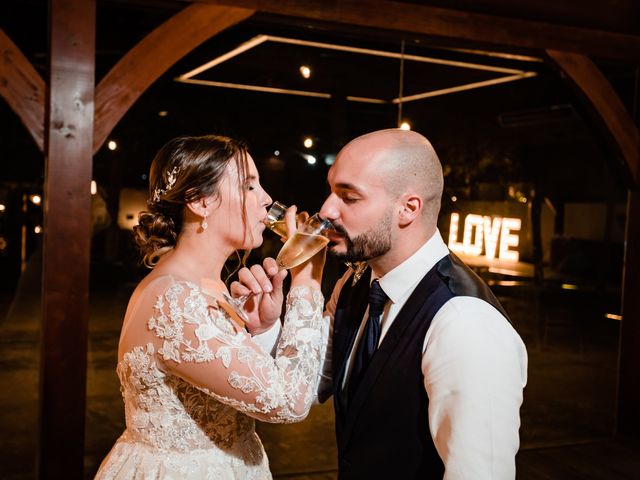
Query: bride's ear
(199, 207)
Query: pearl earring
(204, 223)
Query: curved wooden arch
(597, 90)
(23, 88)
(153, 56)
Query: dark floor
(567, 417)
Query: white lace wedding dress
(193, 384)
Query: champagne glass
(309, 239)
(305, 246)
(275, 219)
(275, 222)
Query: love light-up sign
(484, 233)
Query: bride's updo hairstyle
(185, 170)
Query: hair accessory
(171, 180)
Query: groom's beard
(370, 244)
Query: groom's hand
(310, 272)
(263, 284)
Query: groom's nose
(329, 209)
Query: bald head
(406, 163)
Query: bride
(193, 376)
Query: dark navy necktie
(370, 337)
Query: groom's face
(358, 205)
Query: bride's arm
(197, 342)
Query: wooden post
(65, 285)
(628, 420)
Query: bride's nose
(267, 200)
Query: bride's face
(242, 233)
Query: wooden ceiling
(606, 31)
(622, 16)
(602, 28)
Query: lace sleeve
(198, 342)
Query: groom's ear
(410, 207)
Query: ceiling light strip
(506, 56)
(254, 42)
(384, 53)
(461, 88)
(255, 88)
(366, 100)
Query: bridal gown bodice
(195, 383)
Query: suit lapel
(347, 320)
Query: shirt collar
(402, 279)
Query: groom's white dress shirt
(474, 366)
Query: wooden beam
(22, 87)
(448, 23)
(611, 111)
(628, 419)
(67, 234)
(153, 56)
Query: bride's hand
(263, 284)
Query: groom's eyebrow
(347, 186)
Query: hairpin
(171, 180)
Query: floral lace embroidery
(276, 385)
(198, 430)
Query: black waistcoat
(383, 431)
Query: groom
(425, 370)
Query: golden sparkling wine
(300, 248)
(279, 227)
